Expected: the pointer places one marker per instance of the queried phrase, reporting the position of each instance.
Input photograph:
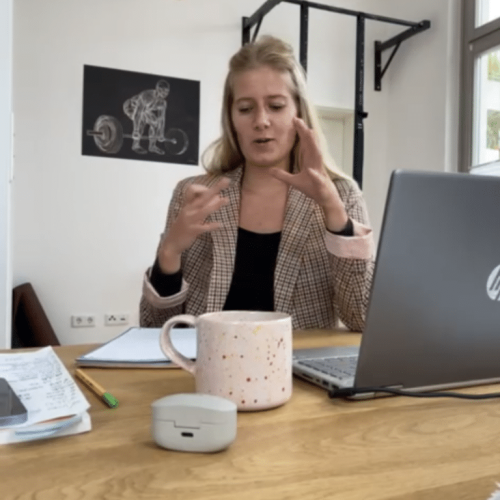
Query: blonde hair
(224, 154)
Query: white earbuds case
(193, 422)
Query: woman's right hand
(199, 203)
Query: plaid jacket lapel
(224, 243)
(296, 229)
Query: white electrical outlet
(83, 320)
(116, 319)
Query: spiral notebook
(140, 348)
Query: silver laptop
(433, 320)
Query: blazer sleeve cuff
(359, 246)
(151, 295)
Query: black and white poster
(138, 116)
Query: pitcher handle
(168, 348)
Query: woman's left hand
(313, 180)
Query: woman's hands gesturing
(313, 180)
(199, 203)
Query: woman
(271, 226)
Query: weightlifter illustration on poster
(139, 116)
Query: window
(486, 11)
(486, 103)
(480, 130)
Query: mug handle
(168, 348)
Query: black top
(252, 286)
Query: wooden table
(312, 448)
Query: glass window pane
(486, 126)
(486, 11)
(489, 169)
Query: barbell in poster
(139, 116)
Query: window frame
(475, 41)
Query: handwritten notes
(43, 384)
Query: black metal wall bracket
(359, 113)
(393, 42)
(256, 18)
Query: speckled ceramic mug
(244, 356)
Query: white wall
(424, 89)
(423, 95)
(5, 169)
(86, 227)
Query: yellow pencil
(97, 389)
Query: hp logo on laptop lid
(493, 285)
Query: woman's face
(262, 113)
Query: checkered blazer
(319, 277)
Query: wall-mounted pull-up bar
(380, 47)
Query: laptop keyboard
(341, 367)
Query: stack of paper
(140, 348)
(55, 404)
